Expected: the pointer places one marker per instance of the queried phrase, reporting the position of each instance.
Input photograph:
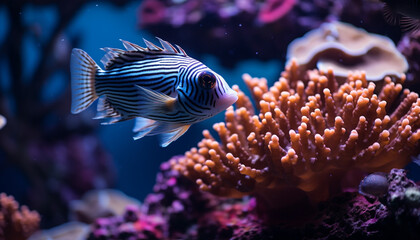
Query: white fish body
(162, 88)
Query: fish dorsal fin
(131, 46)
(167, 46)
(116, 57)
(110, 55)
(151, 46)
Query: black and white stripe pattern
(171, 75)
(163, 88)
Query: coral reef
(35, 99)
(173, 212)
(132, 225)
(238, 30)
(71, 166)
(345, 48)
(167, 213)
(178, 201)
(70, 230)
(273, 10)
(306, 140)
(15, 223)
(410, 48)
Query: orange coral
(14, 223)
(306, 137)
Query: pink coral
(273, 10)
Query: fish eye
(207, 80)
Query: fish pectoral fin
(156, 102)
(390, 16)
(173, 134)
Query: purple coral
(410, 48)
(132, 225)
(273, 10)
(237, 30)
(177, 210)
(169, 212)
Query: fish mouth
(230, 98)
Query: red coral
(14, 223)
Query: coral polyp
(306, 137)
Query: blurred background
(49, 157)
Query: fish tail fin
(83, 71)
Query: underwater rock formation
(177, 210)
(237, 30)
(3, 121)
(345, 48)
(168, 213)
(305, 140)
(70, 230)
(16, 223)
(100, 203)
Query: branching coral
(305, 138)
(14, 223)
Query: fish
(162, 88)
(406, 13)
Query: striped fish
(162, 88)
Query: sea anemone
(306, 139)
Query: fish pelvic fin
(142, 127)
(169, 132)
(167, 138)
(83, 71)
